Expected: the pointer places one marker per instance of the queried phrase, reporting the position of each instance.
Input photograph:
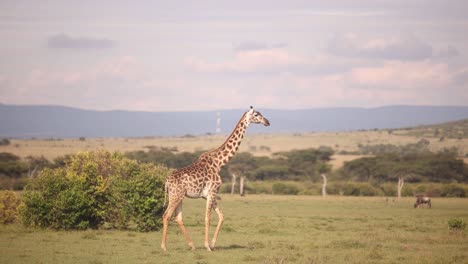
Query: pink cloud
(402, 74)
(403, 47)
(245, 61)
(394, 82)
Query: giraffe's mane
(225, 142)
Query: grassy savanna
(267, 229)
(257, 144)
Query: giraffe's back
(194, 181)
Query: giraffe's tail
(166, 190)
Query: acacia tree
(323, 169)
(240, 165)
(305, 163)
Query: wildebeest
(422, 199)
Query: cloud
(108, 84)
(402, 76)
(396, 48)
(461, 77)
(270, 60)
(248, 46)
(447, 52)
(394, 82)
(65, 41)
(252, 45)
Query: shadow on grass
(233, 246)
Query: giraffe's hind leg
(220, 223)
(212, 204)
(166, 217)
(171, 207)
(209, 204)
(178, 218)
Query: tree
(323, 170)
(36, 164)
(4, 142)
(305, 163)
(415, 167)
(240, 165)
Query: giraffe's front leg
(218, 227)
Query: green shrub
(258, 187)
(389, 189)
(15, 184)
(307, 188)
(453, 190)
(4, 142)
(144, 193)
(408, 190)
(284, 188)
(96, 189)
(456, 224)
(226, 188)
(335, 188)
(361, 189)
(55, 200)
(434, 191)
(9, 202)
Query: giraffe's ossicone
(201, 180)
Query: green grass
(267, 229)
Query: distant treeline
(353, 188)
(299, 165)
(384, 164)
(413, 161)
(298, 171)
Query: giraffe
(201, 180)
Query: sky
(213, 55)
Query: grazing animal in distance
(202, 180)
(422, 199)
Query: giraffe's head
(256, 117)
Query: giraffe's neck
(226, 151)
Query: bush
(361, 189)
(144, 193)
(453, 190)
(4, 142)
(258, 187)
(335, 188)
(15, 184)
(55, 200)
(390, 189)
(408, 190)
(9, 202)
(94, 189)
(284, 188)
(456, 224)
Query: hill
(456, 129)
(27, 121)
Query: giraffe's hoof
(192, 247)
(163, 248)
(208, 248)
(212, 245)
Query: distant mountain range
(26, 121)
